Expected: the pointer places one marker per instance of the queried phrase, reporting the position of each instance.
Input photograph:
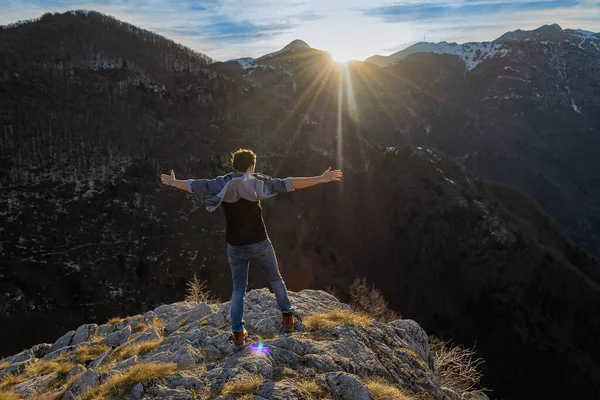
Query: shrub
(197, 292)
(369, 300)
(458, 367)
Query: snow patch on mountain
(245, 62)
(472, 53)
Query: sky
(348, 29)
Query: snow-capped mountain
(474, 53)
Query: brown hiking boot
(288, 322)
(240, 339)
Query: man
(240, 194)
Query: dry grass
(335, 318)
(9, 381)
(115, 320)
(127, 350)
(182, 322)
(97, 339)
(369, 300)
(42, 367)
(243, 386)
(310, 390)
(118, 386)
(157, 323)
(88, 353)
(197, 292)
(4, 364)
(458, 367)
(8, 396)
(382, 390)
(59, 393)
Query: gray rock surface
(63, 341)
(119, 337)
(338, 359)
(137, 391)
(347, 387)
(86, 382)
(76, 370)
(84, 333)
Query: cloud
(411, 12)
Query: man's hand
(331, 176)
(168, 179)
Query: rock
(41, 350)
(76, 370)
(131, 361)
(85, 383)
(277, 391)
(345, 386)
(334, 358)
(105, 330)
(22, 356)
(119, 337)
(194, 334)
(200, 311)
(100, 359)
(183, 354)
(416, 338)
(84, 333)
(149, 317)
(63, 341)
(59, 352)
(33, 385)
(147, 335)
(184, 380)
(175, 323)
(166, 312)
(18, 367)
(137, 391)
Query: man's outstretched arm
(328, 176)
(171, 181)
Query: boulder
(119, 337)
(63, 341)
(345, 386)
(84, 384)
(84, 333)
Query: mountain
(182, 351)
(96, 109)
(523, 109)
(474, 53)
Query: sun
(340, 56)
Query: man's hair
(243, 159)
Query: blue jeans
(263, 255)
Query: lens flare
(259, 349)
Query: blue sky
(226, 29)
